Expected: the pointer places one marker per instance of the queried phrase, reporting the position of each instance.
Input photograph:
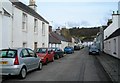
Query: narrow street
(72, 67)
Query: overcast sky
(76, 12)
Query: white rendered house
(24, 27)
(112, 37)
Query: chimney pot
(113, 12)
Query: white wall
(109, 47)
(12, 33)
(0, 30)
(63, 44)
(119, 46)
(5, 24)
(17, 28)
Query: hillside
(85, 34)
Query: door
(26, 58)
(34, 60)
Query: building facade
(112, 37)
(24, 27)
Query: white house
(22, 26)
(57, 40)
(112, 37)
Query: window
(35, 25)
(43, 28)
(24, 22)
(35, 45)
(8, 53)
(24, 44)
(31, 53)
(24, 53)
(114, 46)
(43, 44)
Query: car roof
(15, 48)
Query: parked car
(18, 61)
(58, 53)
(46, 54)
(93, 50)
(76, 47)
(69, 50)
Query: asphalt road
(72, 67)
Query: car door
(34, 60)
(49, 54)
(25, 58)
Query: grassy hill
(85, 34)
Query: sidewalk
(111, 66)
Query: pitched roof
(27, 9)
(59, 37)
(53, 39)
(114, 34)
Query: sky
(72, 13)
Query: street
(78, 66)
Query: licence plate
(4, 62)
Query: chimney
(50, 29)
(58, 31)
(32, 4)
(113, 12)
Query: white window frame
(114, 46)
(24, 22)
(35, 25)
(43, 28)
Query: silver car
(93, 50)
(18, 61)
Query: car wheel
(53, 59)
(40, 66)
(46, 62)
(89, 53)
(58, 57)
(23, 73)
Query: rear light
(16, 62)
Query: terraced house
(22, 26)
(112, 36)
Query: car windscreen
(94, 48)
(8, 53)
(42, 50)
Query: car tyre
(46, 62)
(58, 57)
(89, 53)
(40, 66)
(53, 59)
(23, 73)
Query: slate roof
(114, 34)
(28, 10)
(60, 37)
(53, 40)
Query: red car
(46, 54)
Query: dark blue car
(68, 50)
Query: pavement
(111, 65)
